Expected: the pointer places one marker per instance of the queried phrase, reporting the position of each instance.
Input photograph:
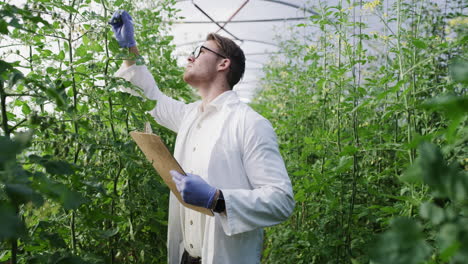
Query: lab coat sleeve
(168, 112)
(271, 200)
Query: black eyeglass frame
(196, 53)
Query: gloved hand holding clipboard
(163, 162)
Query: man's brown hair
(234, 53)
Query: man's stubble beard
(195, 79)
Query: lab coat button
(191, 222)
(191, 246)
(194, 148)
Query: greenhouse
(244, 131)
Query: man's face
(202, 70)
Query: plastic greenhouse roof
(252, 24)
(256, 25)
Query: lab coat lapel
(182, 134)
(228, 112)
(231, 100)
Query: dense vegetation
(74, 187)
(372, 126)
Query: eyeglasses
(197, 52)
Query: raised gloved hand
(194, 189)
(122, 26)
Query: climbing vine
(370, 112)
(74, 188)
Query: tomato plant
(74, 186)
(350, 106)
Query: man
(231, 152)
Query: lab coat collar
(226, 98)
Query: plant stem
(7, 131)
(31, 58)
(3, 96)
(114, 136)
(338, 134)
(74, 123)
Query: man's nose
(191, 58)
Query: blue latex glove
(194, 189)
(122, 26)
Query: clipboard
(162, 160)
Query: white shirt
(242, 159)
(193, 159)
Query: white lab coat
(245, 164)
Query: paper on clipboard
(163, 161)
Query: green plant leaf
(11, 225)
(22, 193)
(419, 43)
(403, 243)
(58, 167)
(432, 212)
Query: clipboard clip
(148, 129)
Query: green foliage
(404, 243)
(444, 214)
(74, 188)
(351, 107)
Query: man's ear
(224, 64)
